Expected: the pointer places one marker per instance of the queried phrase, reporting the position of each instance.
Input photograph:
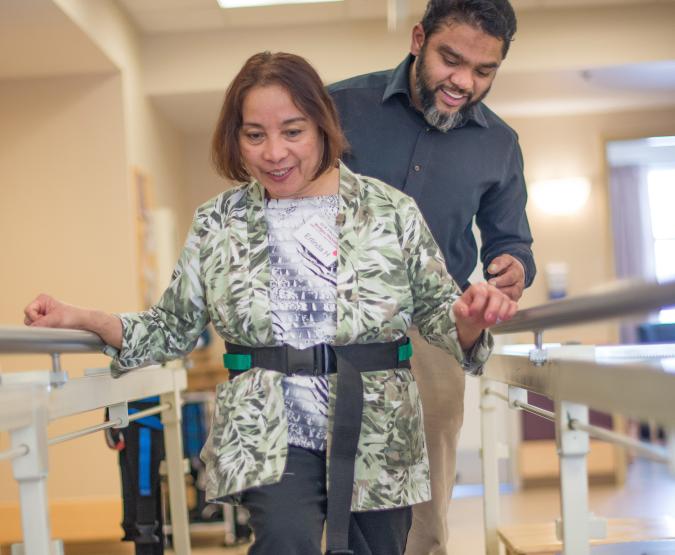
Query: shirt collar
(399, 84)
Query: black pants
(288, 518)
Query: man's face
(454, 70)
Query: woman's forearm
(104, 324)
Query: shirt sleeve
(170, 328)
(434, 292)
(502, 220)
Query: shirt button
(417, 167)
(428, 129)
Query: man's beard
(443, 121)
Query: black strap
(349, 361)
(322, 358)
(346, 432)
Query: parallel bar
(22, 340)
(109, 424)
(14, 453)
(523, 406)
(622, 300)
(549, 415)
(658, 454)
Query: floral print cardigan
(390, 275)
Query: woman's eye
(292, 133)
(254, 137)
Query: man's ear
(417, 40)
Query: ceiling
(38, 39)
(514, 94)
(171, 16)
(520, 94)
(165, 16)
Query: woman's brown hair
(305, 88)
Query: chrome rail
(623, 299)
(24, 340)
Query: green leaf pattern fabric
(390, 276)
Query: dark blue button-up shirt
(473, 170)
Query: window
(642, 200)
(661, 190)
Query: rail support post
(30, 472)
(490, 466)
(573, 447)
(173, 443)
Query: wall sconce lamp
(561, 196)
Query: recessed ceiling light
(257, 3)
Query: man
(423, 128)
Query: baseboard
(81, 519)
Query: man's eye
(483, 72)
(449, 62)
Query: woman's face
(281, 146)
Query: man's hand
(509, 275)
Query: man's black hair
(494, 17)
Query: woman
(312, 275)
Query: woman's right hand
(47, 312)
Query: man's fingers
(496, 266)
(506, 279)
(513, 292)
(500, 263)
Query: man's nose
(462, 79)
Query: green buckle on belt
(405, 351)
(237, 362)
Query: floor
(649, 492)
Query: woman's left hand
(482, 305)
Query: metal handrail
(623, 300)
(22, 340)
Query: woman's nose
(275, 150)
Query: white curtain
(631, 224)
